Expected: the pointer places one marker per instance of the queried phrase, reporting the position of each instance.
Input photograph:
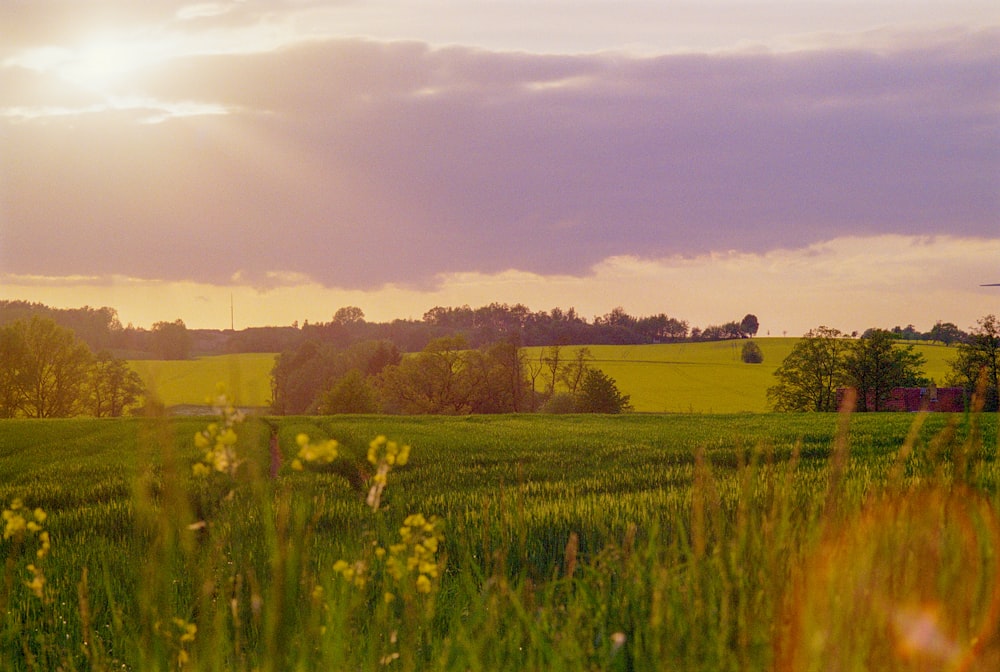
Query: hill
(706, 377)
(709, 377)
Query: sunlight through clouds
(682, 157)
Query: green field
(247, 378)
(709, 377)
(634, 542)
(667, 378)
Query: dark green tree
(600, 394)
(53, 369)
(978, 362)
(170, 340)
(751, 353)
(749, 325)
(946, 332)
(350, 394)
(12, 360)
(113, 386)
(809, 376)
(876, 363)
(435, 380)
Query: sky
(813, 162)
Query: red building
(911, 399)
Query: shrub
(752, 354)
(560, 403)
(600, 394)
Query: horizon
(704, 160)
(763, 332)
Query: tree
(350, 394)
(599, 394)
(946, 332)
(574, 370)
(52, 370)
(749, 325)
(553, 362)
(433, 381)
(809, 375)
(875, 364)
(170, 340)
(349, 315)
(501, 373)
(302, 376)
(751, 353)
(11, 366)
(978, 362)
(113, 386)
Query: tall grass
(622, 543)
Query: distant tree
(52, 371)
(561, 403)
(749, 325)
(616, 318)
(433, 381)
(575, 368)
(875, 363)
(978, 362)
(600, 394)
(170, 340)
(302, 376)
(348, 315)
(553, 363)
(533, 370)
(113, 386)
(12, 362)
(298, 378)
(501, 372)
(350, 394)
(946, 332)
(809, 375)
(751, 353)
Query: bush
(600, 394)
(560, 403)
(752, 354)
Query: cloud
(361, 164)
(851, 283)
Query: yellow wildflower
(15, 524)
(37, 583)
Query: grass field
(188, 382)
(636, 542)
(672, 377)
(709, 377)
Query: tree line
(826, 359)
(447, 377)
(490, 324)
(100, 328)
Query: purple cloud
(360, 163)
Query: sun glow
(97, 64)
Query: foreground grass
(632, 542)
